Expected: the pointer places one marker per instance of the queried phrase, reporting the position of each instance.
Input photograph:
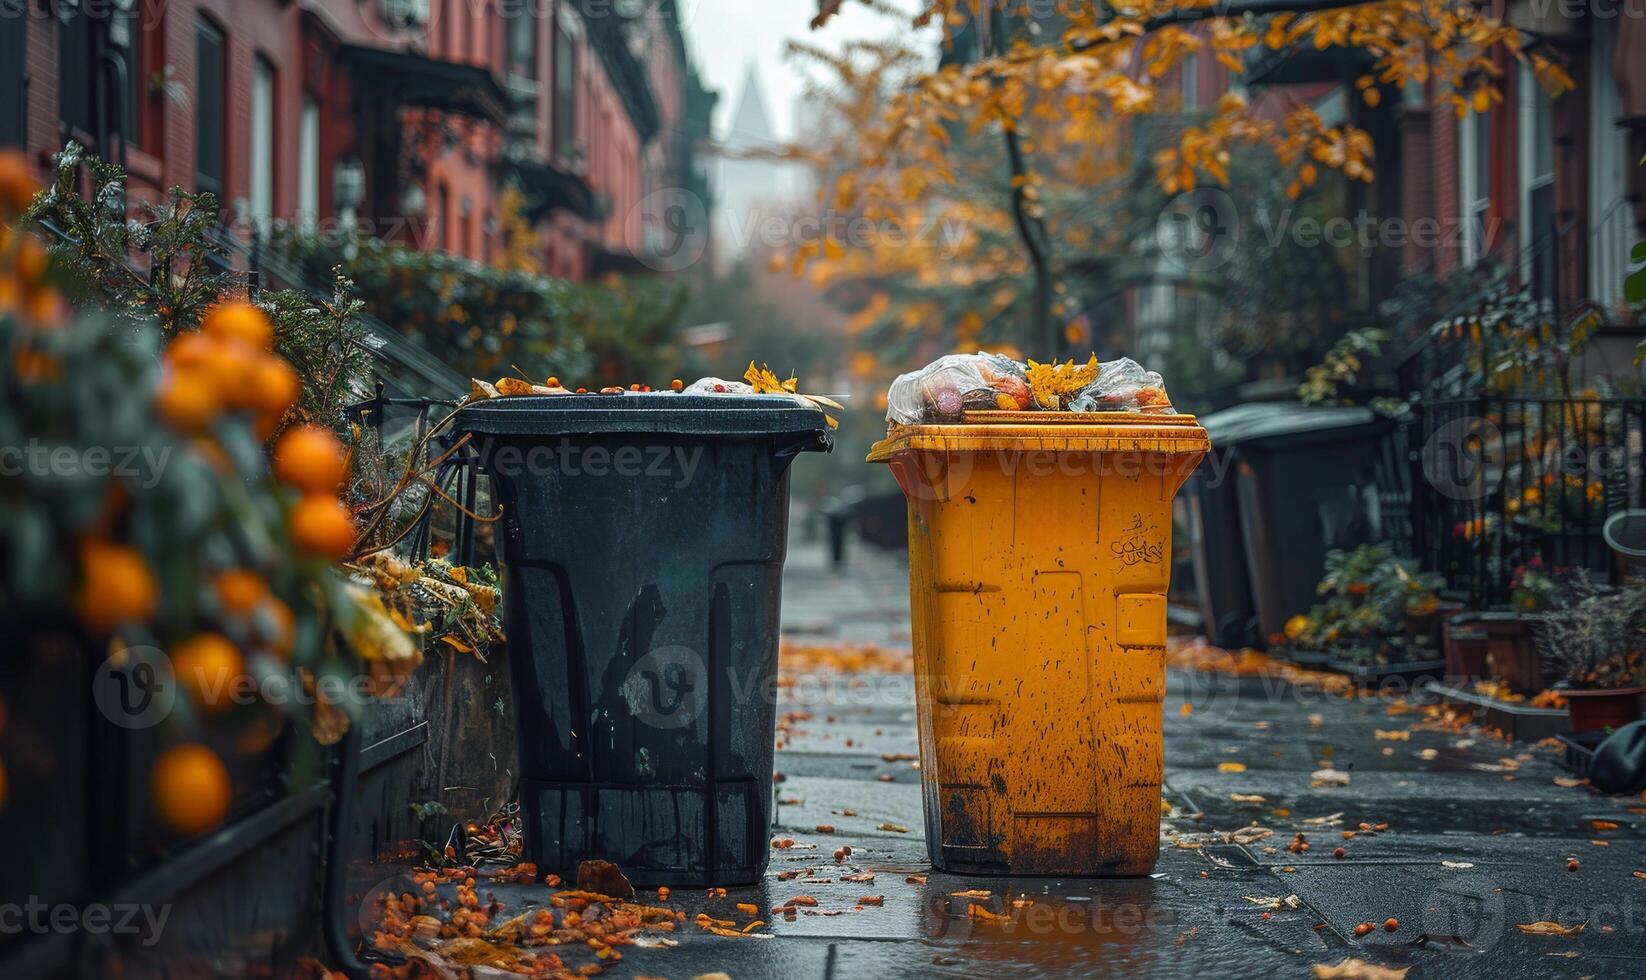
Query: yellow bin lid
(1075, 432)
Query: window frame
(1530, 98)
(262, 212)
(1474, 141)
(205, 29)
(563, 105)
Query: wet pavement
(1470, 840)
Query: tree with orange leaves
(1076, 83)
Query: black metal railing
(1500, 480)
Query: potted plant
(1511, 653)
(1599, 645)
(1467, 645)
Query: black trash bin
(643, 538)
(1300, 481)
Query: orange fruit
(116, 585)
(189, 787)
(238, 320)
(321, 525)
(240, 590)
(187, 401)
(275, 385)
(311, 459)
(31, 259)
(232, 366)
(191, 350)
(17, 183)
(207, 666)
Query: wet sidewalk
(1475, 843)
(1457, 850)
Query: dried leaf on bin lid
(1247, 798)
(481, 390)
(972, 893)
(1328, 777)
(1329, 820)
(1550, 928)
(1231, 767)
(1569, 782)
(894, 828)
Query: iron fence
(1501, 480)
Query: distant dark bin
(1300, 480)
(643, 538)
(1212, 517)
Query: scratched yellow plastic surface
(1039, 557)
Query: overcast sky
(727, 36)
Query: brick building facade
(407, 117)
(1549, 189)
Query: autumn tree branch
(1219, 11)
(1030, 228)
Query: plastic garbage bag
(1124, 386)
(718, 386)
(945, 389)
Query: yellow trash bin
(1039, 555)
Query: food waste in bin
(1039, 560)
(642, 537)
(949, 388)
(756, 381)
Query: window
(308, 164)
(565, 92)
(13, 97)
(442, 214)
(1474, 182)
(209, 121)
(126, 42)
(78, 70)
(1539, 241)
(74, 67)
(520, 24)
(262, 142)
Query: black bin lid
(1284, 421)
(643, 412)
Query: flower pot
(1511, 654)
(1593, 710)
(1422, 629)
(1465, 651)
